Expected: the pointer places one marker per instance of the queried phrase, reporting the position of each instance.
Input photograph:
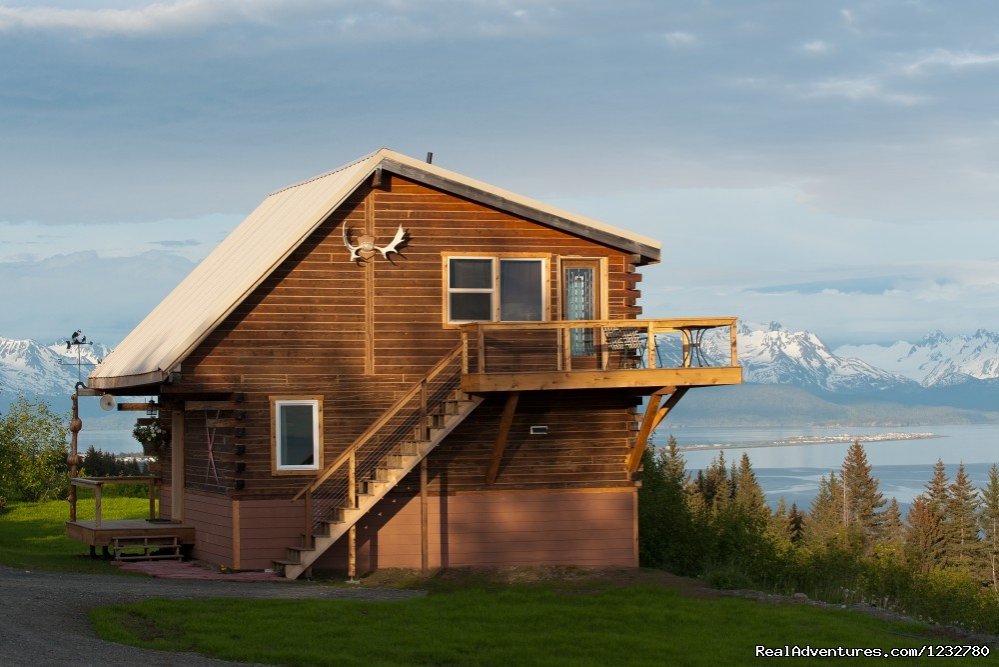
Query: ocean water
(790, 461)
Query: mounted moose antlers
(366, 244)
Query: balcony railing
(595, 353)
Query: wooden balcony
(646, 355)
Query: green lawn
(516, 625)
(33, 535)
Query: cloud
(862, 89)
(951, 60)
(846, 286)
(816, 47)
(680, 39)
(99, 293)
(186, 243)
(159, 17)
(344, 18)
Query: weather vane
(78, 340)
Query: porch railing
(98, 484)
(568, 345)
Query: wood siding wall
(307, 330)
(583, 528)
(211, 516)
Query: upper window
(297, 434)
(495, 289)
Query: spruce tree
(796, 520)
(823, 526)
(861, 497)
(892, 529)
(962, 548)
(749, 496)
(988, 521)
(937, 489)
(924, 542)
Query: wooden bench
(147, 546)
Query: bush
(33, 453)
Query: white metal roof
(272, 232)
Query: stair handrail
(391, 412)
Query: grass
(550, 624)
(33, 535)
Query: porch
(588, 354)
(125, 535)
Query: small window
(490, 290)
(297, 434)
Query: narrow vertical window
(297, 434)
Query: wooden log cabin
(394, 365)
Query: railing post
(309, 536)
(152, 497)
(566, 350)
(482, 349)
(650, 344)
(685, 338)
(560, 335)
(464, 352)
(97, 505)
(352, 481)
(733, 330)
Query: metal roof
(273, 231)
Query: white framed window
(297, 440)
(497, 289)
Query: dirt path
(43, 615)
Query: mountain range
(791, 373)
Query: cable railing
(602, 345)
(398, 431)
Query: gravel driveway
(43, 615)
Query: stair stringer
(302, 558)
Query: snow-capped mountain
(936, 360)
(36, 369)
(769, 354)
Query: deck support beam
(506, 423)
(654, 415)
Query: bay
(789, 461)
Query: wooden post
(152, 497)
(650, 344)
(685, 337)
(482, 349)
(424, 518)
(352, 503)
(97, 504)
(176, 466)
(309, 537)
(735, 353)
(654, 416)
(464, 352)
(352, 553)
(566, 351)
(75, 425)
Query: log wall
(359, 335)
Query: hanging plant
(154, 438)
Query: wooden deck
(643, 355)
(88, 533)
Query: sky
(830, 166)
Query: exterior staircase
(378, 460)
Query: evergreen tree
(892, 529)
(988, 521)
(668, 537)
(861, 497)
(924, 542)
(937, 489)
(824, 524)
(749, 497)
(962, 546)
(796, 520)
